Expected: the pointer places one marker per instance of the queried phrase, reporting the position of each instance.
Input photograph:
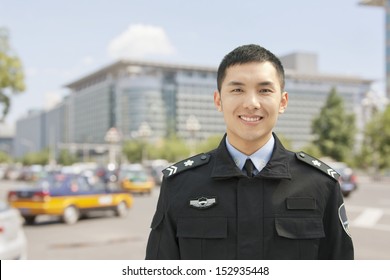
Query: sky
(62, 41)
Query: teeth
(250, 119)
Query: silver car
(347, 180)
(13, 242)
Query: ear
(217, 100)
(283, 102)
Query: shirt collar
(259, 158)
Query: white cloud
(140, 40)
(31, 72)
(52, 98)
(88, 60)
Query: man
(250, 198)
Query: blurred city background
(116, 91)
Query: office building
(175, 99)
(30, 133)
(308, 90)
(6, 138)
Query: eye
(265, 90)
(237, 90)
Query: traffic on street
(106, 236)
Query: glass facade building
(128, 94)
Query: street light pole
(144, 132)
(193, 126)
(112, 137)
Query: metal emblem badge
(203, 202)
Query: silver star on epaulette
(316, 163)
(189, 163)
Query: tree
(133, 150)
(209, 144)
(172, 149)
(376, 145)
(334, 129)
(66, 158)
(4, 157)
(41, 158)
(11, 73)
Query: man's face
(250, 100)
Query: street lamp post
(370, 106)
(144, 132)
(112, 137)
(193, 126)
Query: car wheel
(71, 215)
(121, 209)
(29, 220)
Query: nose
(252, 101)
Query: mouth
(250, 119)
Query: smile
(250, 119)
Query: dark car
(347, 179)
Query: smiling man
(250, 198)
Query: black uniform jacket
(208, 209)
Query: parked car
(68, 196)
(134, 178)
(13, 243)
(347, 179)
(156, 167)
(32, 173)
(3, 168)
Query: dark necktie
(248, 167)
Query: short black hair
(247, 54)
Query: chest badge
(203, 202)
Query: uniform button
(203, 157)
(302, 155)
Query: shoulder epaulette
(186, 164)
(318, 164)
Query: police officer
(250, 198)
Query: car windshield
(135, 175)
(55, 181)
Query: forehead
(252, 72)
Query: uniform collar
(259, 158)
(277, 167)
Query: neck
(249, 147)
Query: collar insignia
(203, 202)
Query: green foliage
(174, 149)
(4, 157)
(334, 129)
(66, 158)
(11, 73)
(376, 144)
(41, 158)
(133, 150)
(313, 150)
(209, 144)
(285, 141)
(171, 149)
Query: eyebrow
(237, 83)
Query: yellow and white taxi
(135, 179)
(68, 196)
